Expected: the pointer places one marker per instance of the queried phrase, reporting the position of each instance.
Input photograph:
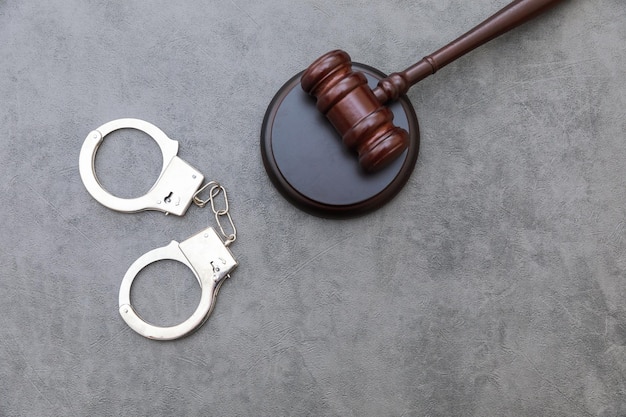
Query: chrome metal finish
(178, 185)
(172, 192)
(214, 191)
(210, 261)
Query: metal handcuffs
(177, 186)
(172, 192)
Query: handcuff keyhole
(168, 198)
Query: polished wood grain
(358, 113)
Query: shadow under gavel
(358, 113)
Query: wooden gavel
(358, 113)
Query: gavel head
(363, 122)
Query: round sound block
(310, 166)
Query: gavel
(358, 113)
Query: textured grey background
(494, 284)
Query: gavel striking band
(359, 114)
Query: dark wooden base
(309, 165)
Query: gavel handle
(513, 15)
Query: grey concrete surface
(494, 284)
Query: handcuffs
(178, 185)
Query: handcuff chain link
(215, 189)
